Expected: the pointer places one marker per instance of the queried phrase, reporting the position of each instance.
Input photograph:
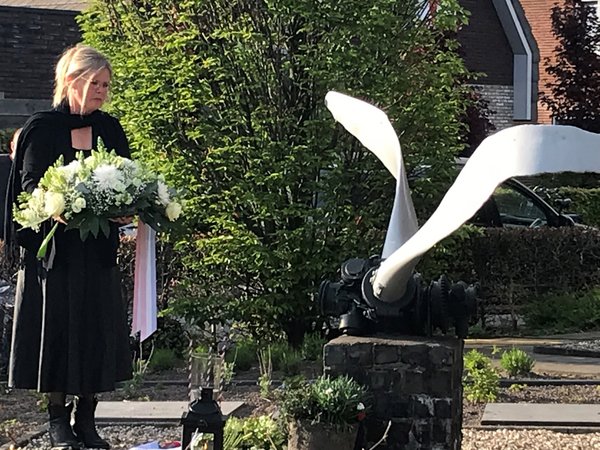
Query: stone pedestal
(416, 383)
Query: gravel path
(126, 437)
(505, 439)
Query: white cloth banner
(144, 291)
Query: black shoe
(85, 426)
(59, 428)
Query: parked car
(515, 205)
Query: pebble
(126, 437)
(591, 345)
(121, 436)
(511, 439)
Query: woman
(70, 333)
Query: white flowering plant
(338, 402)
(91, 190)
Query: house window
(592, 3)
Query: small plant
(481, 380)
(243, 355)
(261, 432)
(162, 359)
(290, 362)
(312, 347)
(336, 402)
(42, 401)
(516, 387)
(252, 433)
(516, 362)
(228, 372)
(266, 371)
(140, 367)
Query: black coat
(70, 333)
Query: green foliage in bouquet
(336, 402)
(91, 190)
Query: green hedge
(5, 137)
(586, 202)
(519, 266)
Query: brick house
(538, 14)
(509, 41)
(33, 33)
(498, 42)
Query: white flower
(163, 193)
(107, 176)
(328, 391)
(55, 204)
(72, 168)
(78, 205)
(360, 407)
(37, 194)
(173, 211)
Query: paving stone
(164, 412)
(541, 414)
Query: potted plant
(323, 413)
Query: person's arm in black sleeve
(121, 143)
(38, 155)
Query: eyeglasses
(96, 84)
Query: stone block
(414, 382)
(422, 406)
(379, 380)
(422, 431)
(441, 356)
(385, 354)
(439, 383)
(334, 355)
(441, 431)
(416, 355)
(443, 408)
(360, 354)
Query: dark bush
(515, 266)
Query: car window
(517, 210)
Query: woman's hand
(123, 220)
(60, 219)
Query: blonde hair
(76, 62)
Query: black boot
(60, 431)
(85, 426)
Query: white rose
(173, 211)
(78, 205)
(37, 193)
(163, 193)
(55, 204)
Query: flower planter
(305, 436)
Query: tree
(227, 97)
(574, 92)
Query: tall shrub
(227, 97)
(573, 95)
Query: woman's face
(88, 93)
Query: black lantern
(204, 415)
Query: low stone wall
(416, 383)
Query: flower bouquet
(89, 191)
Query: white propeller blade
(517, 151)
(373, 129)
